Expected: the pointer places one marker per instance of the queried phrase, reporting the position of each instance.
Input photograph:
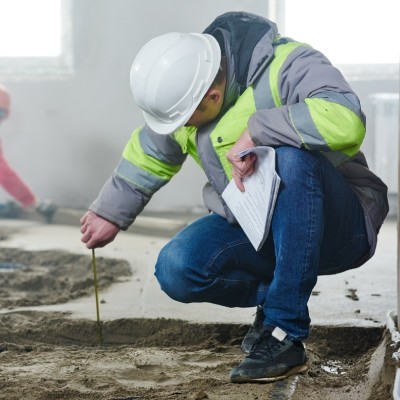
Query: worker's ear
(214, 95)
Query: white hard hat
(171, 74)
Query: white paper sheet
(254, 207)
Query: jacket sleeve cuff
(119, 202)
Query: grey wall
(66, 134)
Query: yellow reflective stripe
(148, 183)
(133, 152)
(281, 53)
(231, 126)
(186, 138)
(341, 128)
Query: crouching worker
(236, 85)
(13, 184)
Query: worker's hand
(242, 166)
(97, 231)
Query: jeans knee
(293, 163)
(174, 275)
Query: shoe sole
(299, 369)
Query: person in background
(12, 182)
(237, 85)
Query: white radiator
(386, 138)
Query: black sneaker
(254, 332)
(273, 357)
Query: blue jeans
(317, 228)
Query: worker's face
(208, 109)
(4, 104)
(3, 114)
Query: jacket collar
(246, 40)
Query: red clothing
(13, 184)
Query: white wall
(65, 135)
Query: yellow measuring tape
(96, 292)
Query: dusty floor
(50, 356)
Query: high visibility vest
(209, 145)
